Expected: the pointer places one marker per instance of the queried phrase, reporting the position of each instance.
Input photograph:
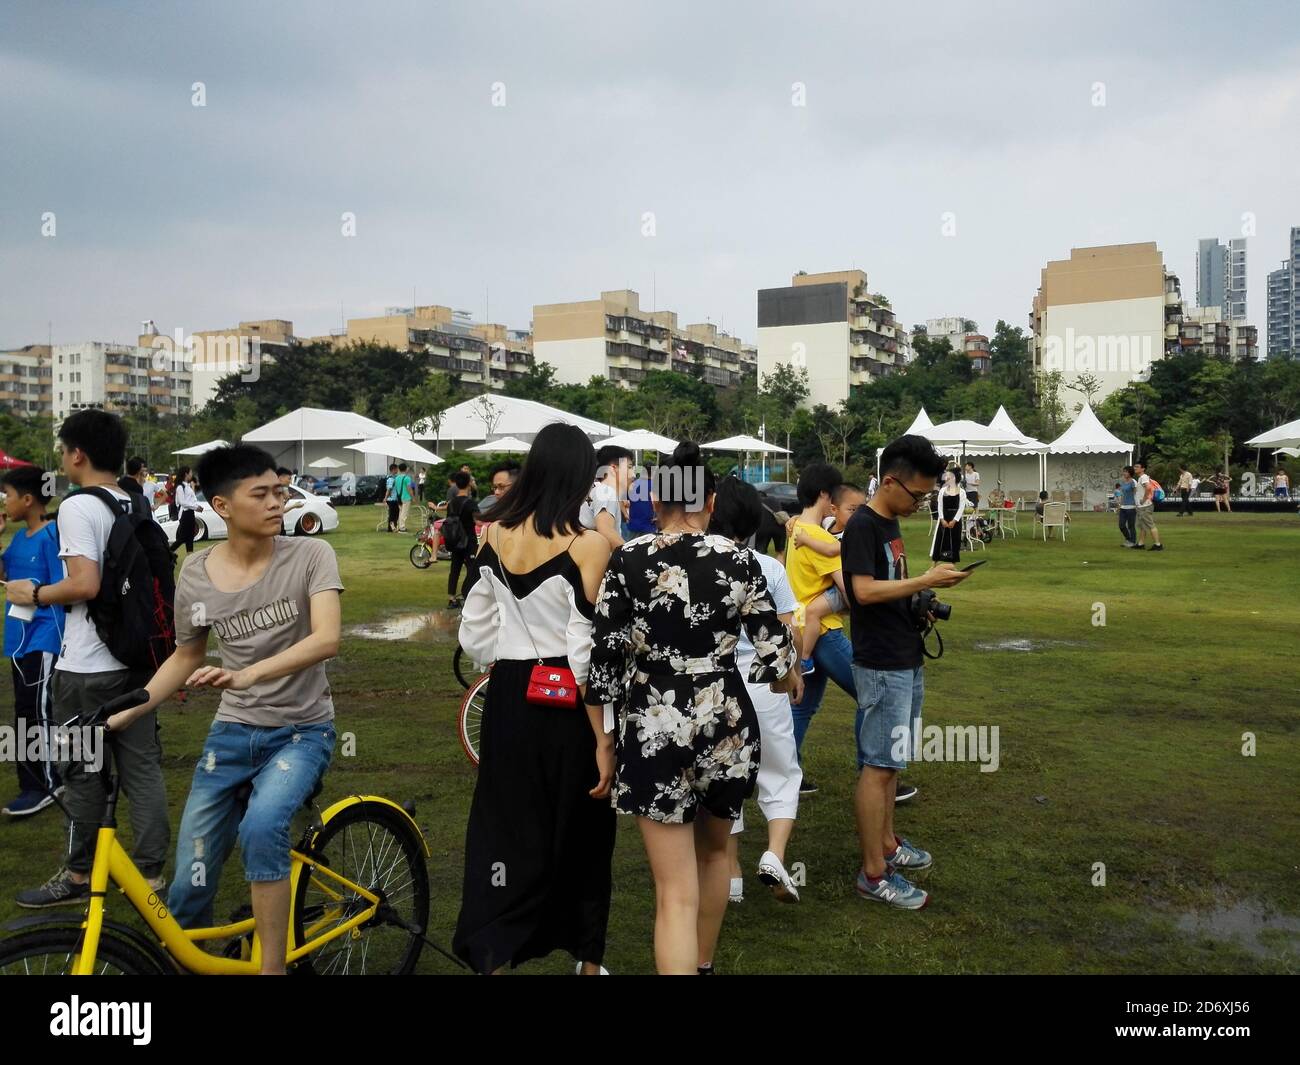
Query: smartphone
(973, 565)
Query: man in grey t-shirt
(273, 604)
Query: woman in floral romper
(663, 657)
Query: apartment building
(116, 377)
(830, 325)
(1109, 311)
(1221, 276)
(1204, 331)
(26, 378)
(614, 338)
(953, 328)
(211, 354)
(1284, 303)
(483, 355)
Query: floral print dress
(663, 654)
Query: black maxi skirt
(538, 848)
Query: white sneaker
(737, 889)
(577, 970)
(773, 874)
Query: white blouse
(185, 497)
(543, 614)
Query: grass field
(1119, 743)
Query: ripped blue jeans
(283, 765)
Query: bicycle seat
(245, 790)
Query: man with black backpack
(458, 534)
(117, 592)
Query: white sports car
(305, 515)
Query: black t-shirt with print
(883, 634)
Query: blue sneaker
(893, 889)
(29, 802)
(909, 857)
(807, 665)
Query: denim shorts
(836, 600)
(889, 713)
(282, 765)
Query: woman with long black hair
(540, 837)
(187, 505)
(663, 656)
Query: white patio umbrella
(199, 449)
(505, 445)
(640, 440)
(744, 443)
(326, 463)
(1287, 435)
(1290, 452)
(397, 447)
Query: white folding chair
(1055, 516)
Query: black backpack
(134, 611)
(454, 535)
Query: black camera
(925, 603)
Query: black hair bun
(687, 453)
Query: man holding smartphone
(888, 661)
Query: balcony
(1172, 298)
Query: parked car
(337, 490)
(314, 515)
(370, 488)
(777, 495)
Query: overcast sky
(199, 217)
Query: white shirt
(1144, 491)
(602, 497)
(781, 594)
(150, 490)
(84, 525)
(185, 497)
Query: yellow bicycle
(359, 885)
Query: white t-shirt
(150, 490)
(782, 595)
(602, 497)
(1143, 490)
(84, 525)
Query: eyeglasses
(916, 496)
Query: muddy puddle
(437, 626)
(1251, 925)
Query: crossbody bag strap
(501, 568)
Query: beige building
(614, 338)
(830, 325)
(1203, 331)
(1110, 311)
(116, 377)
(26, 380)
(478, 355)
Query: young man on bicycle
(273, 602)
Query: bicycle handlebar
(102, 713)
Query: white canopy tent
(919, 424)
(1086, 456)
(1020, 464)
(511, 445)
(396, 447)
(200, 449)
(477, 420)
(309, 433)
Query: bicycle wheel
(49, 952)
(421, 556)
(375, 847)
(470, 718)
